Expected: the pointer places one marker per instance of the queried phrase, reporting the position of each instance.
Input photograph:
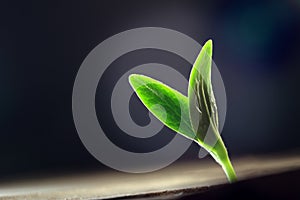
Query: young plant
(193, 116)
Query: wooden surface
(100, 185)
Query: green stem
(220, 154)
(228, 169)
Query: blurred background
(43, 43)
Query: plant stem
(228, 169)
(220, 154)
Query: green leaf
(202, 103)
(165, 103)
(195, 116)
(203, 110)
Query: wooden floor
(100, 185)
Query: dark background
(43, 43)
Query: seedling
(194, 116)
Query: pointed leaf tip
(131, 77)
(208, 47)
(135, 80)
(209, 42)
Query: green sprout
(193, 116)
